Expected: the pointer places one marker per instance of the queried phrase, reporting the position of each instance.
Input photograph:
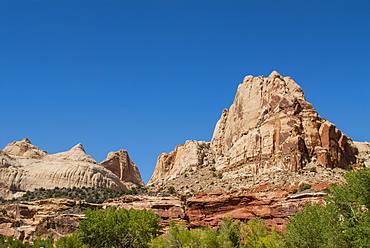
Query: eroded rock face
(185, 157)
(364, 152)
(269, 126)
(168, 207)
(24, 166)
(24, 148)
(123, 167)
(42, 218)
(275, 207)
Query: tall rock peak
(79, 147)
(274, 74)
(76, 153)
(269, 126)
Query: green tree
(343, 222)
(258, 236)
(72, 241)
(230, 234)
(46, 243)
(316, 226)
(180, 236)
(16, 243)
(119, 228)
(352, 202)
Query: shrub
(72, 241)
(230, 234)
(342, 222)
(119, 228)
(304, 187)
(171, 189)
(46, 243)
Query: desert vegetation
(88, 194)
(344, 221)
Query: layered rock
(24, 148)
(43, 218)
(24, 166)
(275, 207)
(270, 124)
(184, 158)
(168, 207)
(123, 167)
(269, 127)
(364, 152)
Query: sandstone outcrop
(364, 152)
(60, 217)
(269, 127)
(185, 158)
(30, 220)
(275, 207)
(123, 167)
(24, 166)
(168, 207)
(24, 148)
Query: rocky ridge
(269, 133)
(24, 166)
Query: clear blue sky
(146, 75)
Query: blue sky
(146, 75)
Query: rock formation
(275, 207)
(168, 207)
(123, 167)
(30, 220)
(185, 158)
(364, 152)
(24, 166)
(58, 217)
(269, 127)
(24, 148)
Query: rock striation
(184, 158)
(364, 152)
(42, 218)
(123, 167)
(210, 209)
(24, 166)
(168, 207)
(269, 127)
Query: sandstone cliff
(364, 152)
(123, 167)
(59, 217)
(24, 166)
(270, 124)
(269, 128)
(185, 158)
